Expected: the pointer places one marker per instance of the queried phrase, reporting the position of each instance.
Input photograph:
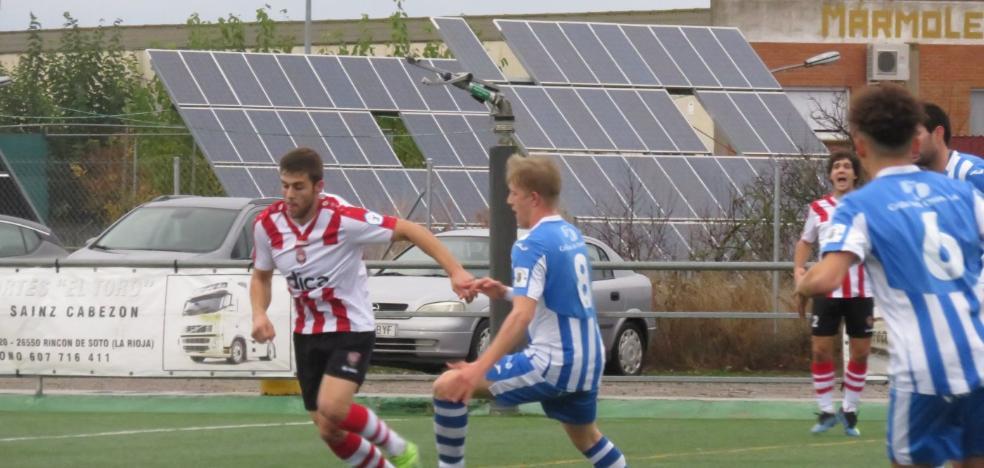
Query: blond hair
(535, 174)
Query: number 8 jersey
(550, 265)
(920, 235)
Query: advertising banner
(138, 322)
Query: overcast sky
(15, 14)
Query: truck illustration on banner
(216, 324)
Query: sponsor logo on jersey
(835, 233)
(306, 283)
(521, 277)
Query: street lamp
(821, 59)
(5, 80)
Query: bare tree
(635, 229)
(745, 230)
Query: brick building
(937, 44)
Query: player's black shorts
(858, 314)
(339, 354)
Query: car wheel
(237, 353)
(197, 359)
(270, 353)
(480, 340)
(628, 350)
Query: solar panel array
(636, 55)
(692, 59)
(599, 105)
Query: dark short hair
(844, 154)
(303, 160)
(936, 117)
(888, 114)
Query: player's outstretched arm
(461, 280)
(492, 288)
(824, 277)
(259, 298)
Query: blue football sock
(450, 426)
(605, 454)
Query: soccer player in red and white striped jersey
(316, 240)
(852, 302)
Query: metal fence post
(177, 175)
(776, 199)
(430, 193)
(133, 181)
(194, 163)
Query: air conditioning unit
(888, 62)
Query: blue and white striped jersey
(920, 236)
(551, 265)
(963, 166)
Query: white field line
(161, 430)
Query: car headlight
(442, 307)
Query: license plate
(386, 329)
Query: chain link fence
(79, 199)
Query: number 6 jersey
(550, 265)
(920, 234)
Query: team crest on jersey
(301, 255)
(374, 218)
(569, 233)
(919, 189)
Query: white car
(403, 298)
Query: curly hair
(888, 114)
(848, 155)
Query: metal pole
(430, 193)
(775, 239)
(502, 222)
(133, 182)
(177, 175)
(307, 27)
(39, 391)
(502, 230)
(194, 162)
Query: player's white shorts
(515, 380)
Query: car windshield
(465, 249)
(170, 229)
(205, 304)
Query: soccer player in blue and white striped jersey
(934, 151)
(920, 235)
(552, 303)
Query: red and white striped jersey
(322, 262)
(818, 222)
